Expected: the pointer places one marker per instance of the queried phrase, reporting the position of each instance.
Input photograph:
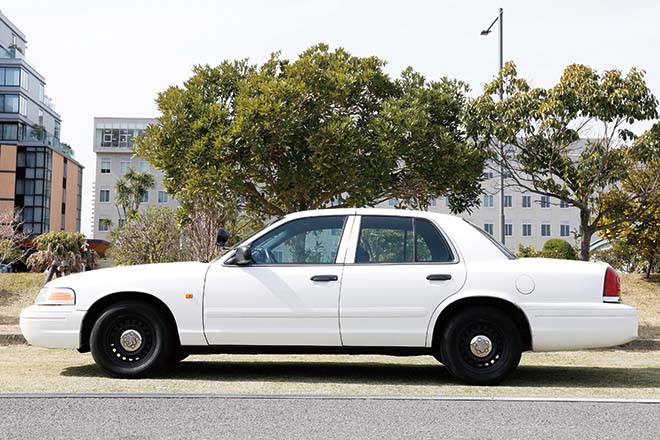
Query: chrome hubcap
(130, 340)
(481, 346)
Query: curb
(321, 397)
(12, 339)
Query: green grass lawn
(612, 373)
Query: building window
(563, 204)
(40, 116)
(104, 225)
(526, 201)
(545, 230)
(145, 197)
(41, 92)
(56, 131)
(104, 196)
(162, 197)
(393, 202)
(488, 175)
(433, 202)
(9, 103)
(488, 227)
(508, 229)
(124, 166)
(545, 201)
(105, 166)
(564, 230)
(508, 200)
(527, 229)
(488, 200)
(447, 204)
(144, 166)
(10, 76)
(25, 80)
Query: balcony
(41, 136)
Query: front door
(402, 269)
(288, 295)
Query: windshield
(505, 250)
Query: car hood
(130, 275)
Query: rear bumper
(52, 326)
(581, 326)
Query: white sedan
(340, 281)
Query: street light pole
(500, 19)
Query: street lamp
(500, 19)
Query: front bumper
(581, 326)
(52, 326)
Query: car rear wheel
(481, 346)
(130, 339)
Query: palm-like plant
(130, 189)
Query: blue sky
(112, 58)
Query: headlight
(56, 296)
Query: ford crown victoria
(340, 281)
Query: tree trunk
(585, 234)
(650, 268)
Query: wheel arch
(97, 308)
(505, 305)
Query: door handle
(324, 278)
(438, 277)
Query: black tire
(153, 350)
(484, 369)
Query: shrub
(152, 236)
(558, 248)
(68, 250)
(622, 256)
(527, 251)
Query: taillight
(612, 288)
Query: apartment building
(113, 146)
(39, 176)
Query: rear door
(398, 270)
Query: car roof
(370, 211)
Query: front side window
(389, 239)
(313, 240)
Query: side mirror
(243, 256)
(222, 237)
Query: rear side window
(385, 239)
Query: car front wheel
(130, 339)
(481, 346)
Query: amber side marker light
(189, 295)
(612, 287)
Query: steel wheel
(481, 346)
(130, 339)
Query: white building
(530, 219)
(113, 143)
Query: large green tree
(571, 142)
(326, 128)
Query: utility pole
(500, 19)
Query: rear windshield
(505, 250)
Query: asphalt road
(47, 417)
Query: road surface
(235, 417)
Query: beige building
(113, 145)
